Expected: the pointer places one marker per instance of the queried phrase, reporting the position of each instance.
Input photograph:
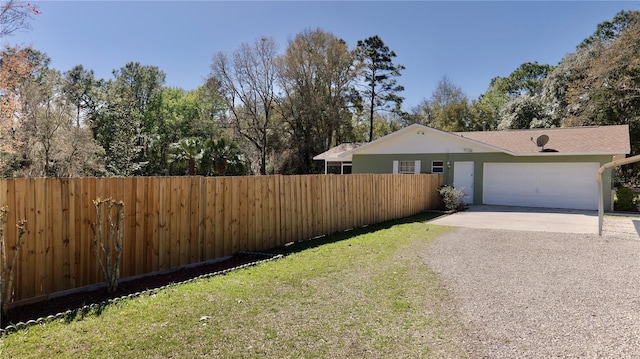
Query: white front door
(463, 179)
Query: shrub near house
(626, 200)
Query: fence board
(152, 225)
(257, 232)
(202, 215)
(24, 209)
(72, 233)
(243, 212)
(54, 243)
(285, 210)
(36, 193)
(219, 218)
(250, 231)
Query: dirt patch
(78, 300)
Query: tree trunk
(371, 117)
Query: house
(550, 167)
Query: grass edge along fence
(171, 222)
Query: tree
(123, 124)
(15, 15)
(174, 115)
(379, 75)
(48, 142)
(211, 109)
(556, 92)
(80, 88)
(248, 82)
(525, 80)
(45, 118)
(448, 109)
(518, 98)
(316, 77)
(610, 30)
(15, 69)
(489, 103)
(383, 124)
(607, 90)
(523, 112)
(186, 152)
(18, 66)
(221, 158)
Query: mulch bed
(78, 300)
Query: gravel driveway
(542, 295)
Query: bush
(451, 198)
(626, 200)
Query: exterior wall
(383, 163)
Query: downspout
(624, 161)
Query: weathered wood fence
(176, 221)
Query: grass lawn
(362, 294)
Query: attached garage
(551, 185)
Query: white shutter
(416, 169)
(396, 165)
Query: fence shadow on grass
(300, 246)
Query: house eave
(552, 154)
(334, 159)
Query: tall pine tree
(380, 89)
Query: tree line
(597, 84)
(262, 110)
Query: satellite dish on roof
(541, 141)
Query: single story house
(550, 167)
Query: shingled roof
(335, 152)
(567, 140)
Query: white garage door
(550, 185)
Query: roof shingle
(336, 151)
(567, 140)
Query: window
(412, 167)
(334, 168)
(338, 168)
(407, 167)
(437, 167)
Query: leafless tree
(15, 15)
(248, 81)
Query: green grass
(362, 294)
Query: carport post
(624, 161)
(600, 204)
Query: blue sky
(470, 42)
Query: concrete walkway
(621, 226)
(541, 220)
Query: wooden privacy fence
(176, 221)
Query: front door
(463, 179)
